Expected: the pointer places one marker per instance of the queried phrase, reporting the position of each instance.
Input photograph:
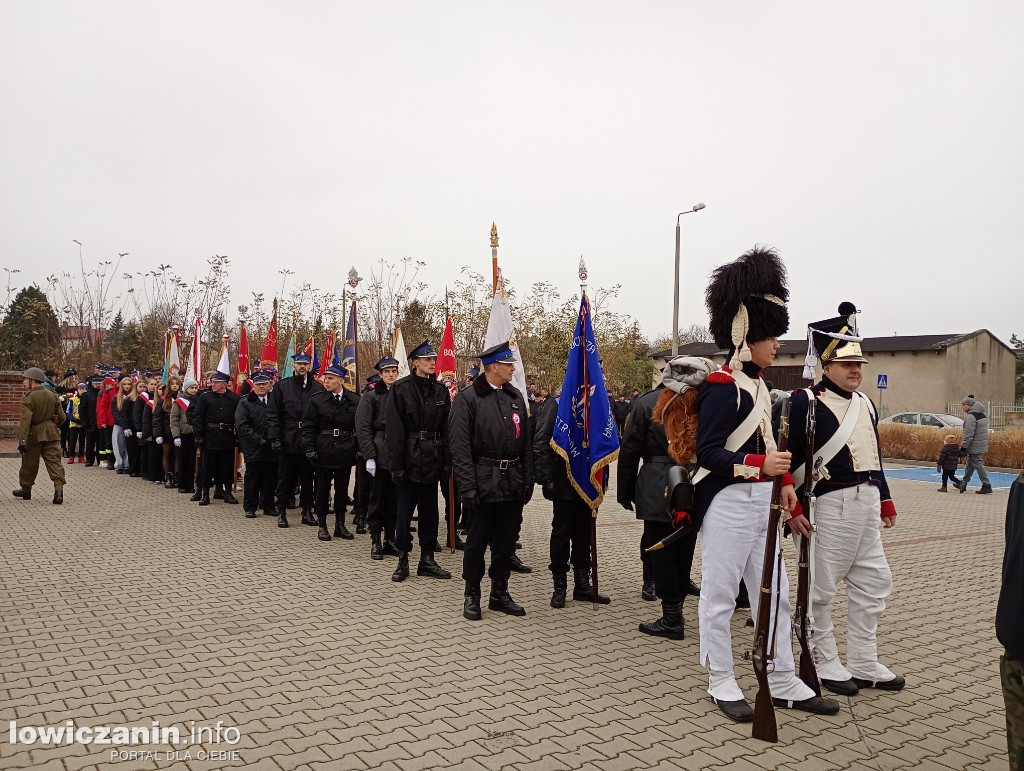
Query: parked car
(933, 419)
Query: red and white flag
(446, 366)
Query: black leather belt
(290, 422)
(336, 432)
(427, 435)
(502, 463)
(224, 426)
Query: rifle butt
(764, 728)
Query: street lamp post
(675, 292)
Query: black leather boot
(169, 482)
(229, 498)
(25, 493)
(282, 517)
(670, 624)
(561, 587)
(648, 592)
(204, 497)
(218, 493)
(501, 601)
(361, 523)
(402, 571)
(196, 496)
(340, 531)
(58, 496)
(471, 604)
(307, 516)
(322, 534)
(517, 565)
(582, 590)
(376, 547)
(428, 566)
(390, 550)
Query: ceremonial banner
(584, 433)
(224, 362)
(196, 364)
(310, 351)
(243, 359)
(328, 359)
(289, 366)
(173, 355)
(499, 329)
(268, 358)
(348, 358)
(446, 372)
(400, 353)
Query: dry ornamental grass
(1005, 448)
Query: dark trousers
(258, 486)
(381, 514)
(187, 463)
(570, 536)
(448, 506)
(90, 445)
(219, 468)
(325, 477)
(671, 564)
(76, 442)
(105, 444)
(496, 524)
(131, 449)
(154, 461)
(949, 476)
(364, 488)
(410, 497)
(290, 469)
(65, 433)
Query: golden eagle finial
(494, 236)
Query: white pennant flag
(499, 329)
(400, 353)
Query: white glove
(371, 467)
(177, 441)
(127, 432)
(138, 434)
(159, 440)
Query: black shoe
(58, 497)
(517, 566)
(647, 591)
(519, 545)
(561, 587)
(340, 531)
(307, 517)
(943, 489)
(738, 711)
(218, 494)
(402, 571)
(361, 525)
(250, 515)
(24, 493)
(670, 624)
(471, 604)
(181, 489)
(291, 504)
(428, 567)
(229, 498)
(819, 705)
(693, 589)
(197, 496)
(501, 601)
(390, 550)
(169, 482)
(376, 547)
(322, 534)
(282, 519)
(898, 683)
(582, 590)
(840, 687)
(204, 498)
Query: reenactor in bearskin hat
(852, 499)
(747, 303)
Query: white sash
(750, 424)
(839, 439)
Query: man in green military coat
(39, 435)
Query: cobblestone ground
(129, 605)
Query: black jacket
(1010, 610)
(287, 402)
(161, 421)
(491, 423)
(251, 428)
(329, 429)
(214, 421)
(549, 466)
(949, 457)
(371, 423)
(87, 408)
(417, 423)
(643, 439)
(142, 416)
(124, 417)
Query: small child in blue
(949, 461)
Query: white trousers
(732, 543)
(848, 547)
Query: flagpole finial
(494, 236)
(353, 278)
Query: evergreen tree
(30, 335)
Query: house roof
(892, 344)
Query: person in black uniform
(645, 439)
(416, 425)
(570, 522)
(87, 411)
(285, 406)
(329, 442)
(370, 426)
(214, 428)
(490, 441)
(254, 442)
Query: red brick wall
(11, 391)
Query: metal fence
(1000, 416)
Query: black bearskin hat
(747, 299)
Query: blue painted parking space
(999, 481)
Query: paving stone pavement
(129, 605)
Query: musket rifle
(802, 615)
(764, 711)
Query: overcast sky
(878, 145)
